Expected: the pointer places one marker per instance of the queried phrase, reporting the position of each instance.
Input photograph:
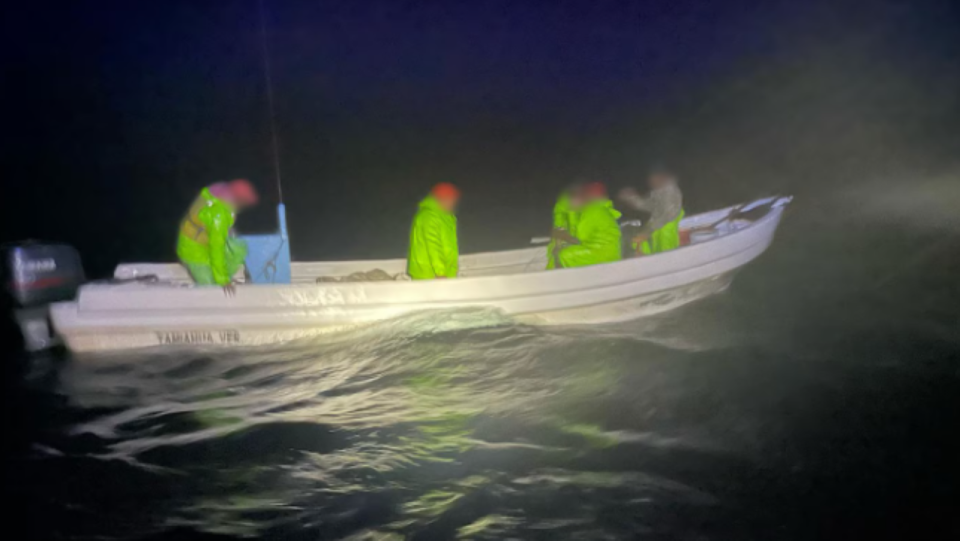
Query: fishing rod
(268, 82)
(268, 256)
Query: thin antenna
(268, 80)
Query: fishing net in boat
(375, 275)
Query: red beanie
(445, 190)
(595, 189)
(243, 192)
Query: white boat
(170, 311)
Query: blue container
(268, 256)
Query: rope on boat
(268, 81)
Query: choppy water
(816, 399)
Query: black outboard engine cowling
(35, 275)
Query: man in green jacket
(566, 215)
(661, 231)
(206, 245)
(597, 231)
(433, 237)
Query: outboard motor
(34, 276)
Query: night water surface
(797, 405)
(818, 398)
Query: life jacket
(192, 226)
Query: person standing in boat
(661, 231)
(433, 249)
(566, 215)
(206, 245)
(598, 233)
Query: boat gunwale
(353, 295)
(291, 316)
(673, 254)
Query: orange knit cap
(243, 192)
(445, 190)
(595, 189)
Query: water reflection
(390, 431)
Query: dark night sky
(117, 112)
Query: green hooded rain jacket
(205, 241)
(564, 218)
(433, 243)
(599, 235)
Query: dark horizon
(794, 381)
(121, 113)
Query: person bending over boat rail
(206, 245)
(566, 215)
(597, 231)
(661, 231)
(433, 249)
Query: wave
(408, 425)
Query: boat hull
(175, 314)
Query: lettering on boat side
(229, 336)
